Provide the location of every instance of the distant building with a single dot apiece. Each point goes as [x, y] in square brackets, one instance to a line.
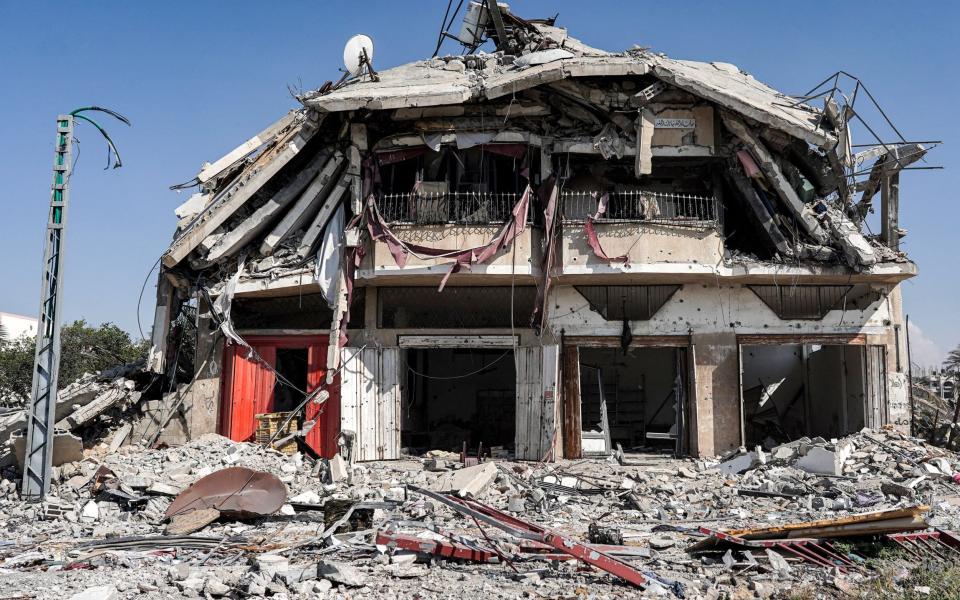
[13, 326]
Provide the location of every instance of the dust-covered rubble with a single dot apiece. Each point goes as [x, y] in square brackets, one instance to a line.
[111, 543]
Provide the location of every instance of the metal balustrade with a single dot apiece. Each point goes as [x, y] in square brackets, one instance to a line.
[461, 208]
[644, 206]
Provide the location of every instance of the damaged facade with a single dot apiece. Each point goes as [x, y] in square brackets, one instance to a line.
[548, 251]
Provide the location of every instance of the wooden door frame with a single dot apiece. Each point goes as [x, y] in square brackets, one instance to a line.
[571, 410]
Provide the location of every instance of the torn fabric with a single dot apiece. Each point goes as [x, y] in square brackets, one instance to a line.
[224, 302]
[381, 232]
[548, 197]
[592, 238]
[609, 143]
[330, 255]
[389, 157]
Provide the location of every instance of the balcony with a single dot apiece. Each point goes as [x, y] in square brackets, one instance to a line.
[449, 220]
[662, 235]
[448, 208]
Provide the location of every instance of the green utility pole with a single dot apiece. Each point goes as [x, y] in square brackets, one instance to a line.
[41, 411]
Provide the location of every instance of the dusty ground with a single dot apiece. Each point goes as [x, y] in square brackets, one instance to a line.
[655, 502]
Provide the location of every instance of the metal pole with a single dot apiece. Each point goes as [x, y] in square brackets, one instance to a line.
[41, 412]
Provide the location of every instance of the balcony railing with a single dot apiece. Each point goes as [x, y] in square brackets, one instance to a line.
[460, 208]
[645, 207]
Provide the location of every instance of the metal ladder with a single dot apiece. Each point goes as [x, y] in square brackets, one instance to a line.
[41, 412]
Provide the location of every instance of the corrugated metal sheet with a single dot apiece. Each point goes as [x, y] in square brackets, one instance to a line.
[370, 404]
[248, 391]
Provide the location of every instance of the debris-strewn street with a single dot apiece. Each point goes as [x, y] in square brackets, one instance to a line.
[367, 530]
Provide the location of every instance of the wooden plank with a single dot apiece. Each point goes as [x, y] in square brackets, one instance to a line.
[572, 412]
[218, 166]
[304, 207]
[367, 435]
[826, 339]
[389, 392]
[238, 192]
[548, 400]
[458, 341]
[598, 341]
[529, 405]
[825, 527]
[350, 386]
[522, 405]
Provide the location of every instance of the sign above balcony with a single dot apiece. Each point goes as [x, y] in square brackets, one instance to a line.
[675, 123]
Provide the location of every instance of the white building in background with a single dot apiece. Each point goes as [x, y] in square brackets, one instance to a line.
[14, 326]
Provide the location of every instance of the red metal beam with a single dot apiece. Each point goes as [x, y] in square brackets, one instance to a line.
[436, 547]
[524, 530]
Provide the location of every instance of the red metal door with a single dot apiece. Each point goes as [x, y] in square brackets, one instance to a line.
[323, 437]
[248, 389]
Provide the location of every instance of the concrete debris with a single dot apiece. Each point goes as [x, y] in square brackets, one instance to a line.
[468, 482]
[653, 521]
[101, 592]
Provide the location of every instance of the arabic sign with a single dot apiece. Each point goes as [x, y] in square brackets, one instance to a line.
[675, 124]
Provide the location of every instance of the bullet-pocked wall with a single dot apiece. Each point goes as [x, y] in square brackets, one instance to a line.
[713, 315]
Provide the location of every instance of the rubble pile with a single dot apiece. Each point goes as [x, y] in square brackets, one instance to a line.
[96, 405]
[869, 469]
[377, 529]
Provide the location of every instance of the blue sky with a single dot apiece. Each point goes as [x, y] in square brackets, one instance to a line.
[197, 78]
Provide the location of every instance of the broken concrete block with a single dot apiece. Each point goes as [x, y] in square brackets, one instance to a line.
[778, 563]
[271, 564]
[100, 592]
[162, 489]
[468, 482]
[194, 520]
[339, 470]
[821, 460]
[215, 587]
[91, 512]
[892, 488]
[340, 573]
[738, 464]
[67, 448]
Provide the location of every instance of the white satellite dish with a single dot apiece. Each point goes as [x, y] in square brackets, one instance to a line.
[353, 53]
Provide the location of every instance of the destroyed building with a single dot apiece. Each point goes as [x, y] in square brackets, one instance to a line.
[548, 250]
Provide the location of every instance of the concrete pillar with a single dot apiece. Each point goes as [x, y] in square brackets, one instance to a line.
[200, 410]
[716, 419]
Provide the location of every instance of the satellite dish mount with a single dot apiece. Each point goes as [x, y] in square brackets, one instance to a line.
[358, 57]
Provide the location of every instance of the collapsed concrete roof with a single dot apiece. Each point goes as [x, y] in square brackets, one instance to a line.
[457, 80]
[251, 199]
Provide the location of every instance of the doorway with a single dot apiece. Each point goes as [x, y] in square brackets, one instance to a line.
[275, 377]
[457, 396]
[792, 390]
[633, 398]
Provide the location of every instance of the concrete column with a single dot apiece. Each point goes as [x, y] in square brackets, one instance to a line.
[200, 410]
[898, 380]
[716, 419]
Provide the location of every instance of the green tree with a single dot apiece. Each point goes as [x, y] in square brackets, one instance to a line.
[83, 349]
